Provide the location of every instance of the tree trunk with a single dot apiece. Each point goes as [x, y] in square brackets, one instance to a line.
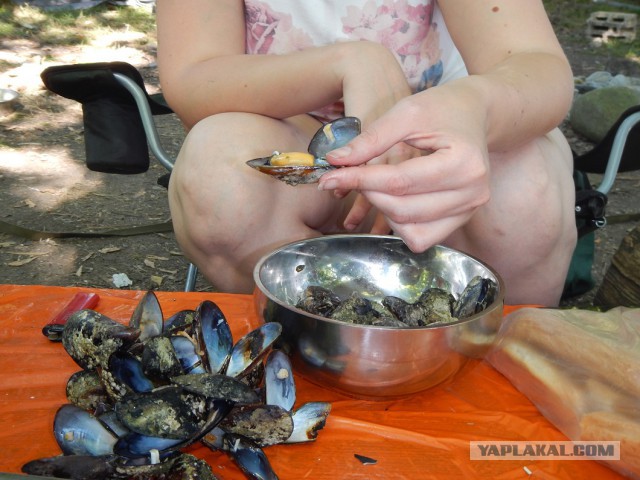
[621, 283]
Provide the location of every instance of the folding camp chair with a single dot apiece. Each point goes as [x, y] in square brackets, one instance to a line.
[118, 120]
[619, 151]
[118, 117]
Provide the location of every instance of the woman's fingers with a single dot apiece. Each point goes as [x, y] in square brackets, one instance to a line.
[420, 236]
[439, 171]
[360, 209]
[427, 207]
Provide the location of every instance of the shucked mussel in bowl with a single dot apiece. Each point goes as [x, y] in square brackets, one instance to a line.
[296, 168]
[434, 307]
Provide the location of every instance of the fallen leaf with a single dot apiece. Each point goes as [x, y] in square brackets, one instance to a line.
[149, 263]
[103, 195]
[156, 280]
[156, 257]
[109, 249]
[164, 270]
[19, 263]
[29, 203]
[79, 271]
[6, 244]
[33, 254]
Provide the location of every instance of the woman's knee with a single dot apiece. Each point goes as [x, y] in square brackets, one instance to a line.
[222, 201]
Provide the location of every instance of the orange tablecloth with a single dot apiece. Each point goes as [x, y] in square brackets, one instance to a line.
[425, 436]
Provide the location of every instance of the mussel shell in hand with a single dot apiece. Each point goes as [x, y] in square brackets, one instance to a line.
[291, 174]
[334, 135]
[330, 136]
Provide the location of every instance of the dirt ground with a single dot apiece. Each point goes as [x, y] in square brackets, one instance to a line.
[44, 184]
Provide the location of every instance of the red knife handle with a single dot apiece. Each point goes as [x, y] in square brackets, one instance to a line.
[80, 301]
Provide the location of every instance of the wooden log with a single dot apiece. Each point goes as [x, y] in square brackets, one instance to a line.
[621, 283]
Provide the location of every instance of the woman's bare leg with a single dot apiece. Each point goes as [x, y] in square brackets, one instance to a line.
[527, 231]
[227, 215]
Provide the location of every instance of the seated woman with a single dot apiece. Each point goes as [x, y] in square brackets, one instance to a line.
[459, 101]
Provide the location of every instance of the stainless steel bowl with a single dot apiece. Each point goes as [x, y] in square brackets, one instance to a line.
[367, 361]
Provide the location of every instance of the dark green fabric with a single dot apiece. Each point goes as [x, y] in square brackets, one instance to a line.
[579, 279]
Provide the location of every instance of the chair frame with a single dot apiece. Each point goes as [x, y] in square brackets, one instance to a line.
[153, 139]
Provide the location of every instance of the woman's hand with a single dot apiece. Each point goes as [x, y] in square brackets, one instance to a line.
[373, 83]
[425, 197]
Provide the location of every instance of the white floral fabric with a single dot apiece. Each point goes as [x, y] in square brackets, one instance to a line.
[413, 30]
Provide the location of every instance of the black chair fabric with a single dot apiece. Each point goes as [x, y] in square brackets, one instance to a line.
[115, 140]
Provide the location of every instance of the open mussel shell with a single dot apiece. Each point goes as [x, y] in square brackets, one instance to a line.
[252, 348]
[334, 135]
[330, 136]
[249, 457]
[308, 420]
[77, 432]
[181, 321]
[186, 354]
[291, 174]
[213, 336]
[478, 294]
[147, 316]
[128, 371]
[279, 383]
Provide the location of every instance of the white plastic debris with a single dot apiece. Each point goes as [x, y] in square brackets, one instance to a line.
[155, 456]
[121, 280]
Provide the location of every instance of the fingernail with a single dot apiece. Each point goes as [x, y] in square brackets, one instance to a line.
[340, 152]
[350, 227]
[328, 184]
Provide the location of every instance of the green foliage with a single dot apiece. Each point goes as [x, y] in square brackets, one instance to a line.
[70, 27]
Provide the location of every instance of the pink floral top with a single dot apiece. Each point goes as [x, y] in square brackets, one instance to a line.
[413, 30]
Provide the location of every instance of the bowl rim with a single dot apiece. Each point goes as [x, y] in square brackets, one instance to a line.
[259, 286]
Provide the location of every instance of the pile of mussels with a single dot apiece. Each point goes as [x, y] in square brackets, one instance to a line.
[149, 389]
[434, 306]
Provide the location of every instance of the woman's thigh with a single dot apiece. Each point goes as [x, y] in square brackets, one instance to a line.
[527, 231]
[226, 214]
